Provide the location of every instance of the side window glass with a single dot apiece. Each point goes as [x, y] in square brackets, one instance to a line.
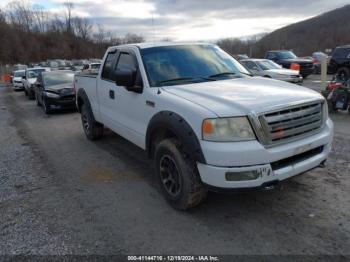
[108, 66]
[126, 61]
[250, 65]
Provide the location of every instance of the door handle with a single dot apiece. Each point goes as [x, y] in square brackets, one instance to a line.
[111, 94]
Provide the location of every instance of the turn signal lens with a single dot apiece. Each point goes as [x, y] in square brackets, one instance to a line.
[208, 127]
[295, 66]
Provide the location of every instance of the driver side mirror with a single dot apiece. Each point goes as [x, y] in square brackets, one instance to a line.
[24, 77]
[127, 78]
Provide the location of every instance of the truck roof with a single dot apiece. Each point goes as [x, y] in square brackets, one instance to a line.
[159, 44]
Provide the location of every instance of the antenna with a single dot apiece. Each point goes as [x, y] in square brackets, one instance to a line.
[153, 30]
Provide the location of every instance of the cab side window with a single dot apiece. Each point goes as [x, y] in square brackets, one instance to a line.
[250, 65]
[107, 67]
[127, 61]
[272, 56]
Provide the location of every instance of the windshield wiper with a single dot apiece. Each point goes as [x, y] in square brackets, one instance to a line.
[180, 79]
[175, 80]
[222, 74]
[228, 74]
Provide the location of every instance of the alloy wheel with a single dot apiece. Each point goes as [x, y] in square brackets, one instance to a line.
[169, 175]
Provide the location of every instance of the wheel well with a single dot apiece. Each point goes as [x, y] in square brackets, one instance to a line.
[157, 136]
[80, 103]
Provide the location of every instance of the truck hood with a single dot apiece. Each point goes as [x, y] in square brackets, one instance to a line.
[31, 80]
[58, 88]
[237, 97]
[296, 60]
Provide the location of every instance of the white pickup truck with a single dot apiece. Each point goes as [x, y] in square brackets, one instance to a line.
[203, 119]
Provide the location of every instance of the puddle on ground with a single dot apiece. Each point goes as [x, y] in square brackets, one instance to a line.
[107, 175]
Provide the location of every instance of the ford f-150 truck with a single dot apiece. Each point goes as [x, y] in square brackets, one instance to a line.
[204, 120]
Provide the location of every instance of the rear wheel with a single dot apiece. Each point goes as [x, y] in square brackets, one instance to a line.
[93, 130]
[178, 176]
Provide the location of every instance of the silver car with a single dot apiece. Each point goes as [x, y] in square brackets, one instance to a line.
[268, 68]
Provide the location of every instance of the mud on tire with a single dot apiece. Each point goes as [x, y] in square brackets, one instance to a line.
[189, 191]
[93, 130]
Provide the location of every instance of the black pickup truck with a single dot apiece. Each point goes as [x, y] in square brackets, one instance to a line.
[286, 58]
[339, 63]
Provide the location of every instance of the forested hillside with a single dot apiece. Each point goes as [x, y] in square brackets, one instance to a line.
[319, 33]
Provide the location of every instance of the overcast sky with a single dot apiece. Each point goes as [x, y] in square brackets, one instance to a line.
[184, 20]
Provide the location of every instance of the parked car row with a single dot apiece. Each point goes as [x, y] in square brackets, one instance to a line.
[198, 112]
[53, 90]
[338, 63]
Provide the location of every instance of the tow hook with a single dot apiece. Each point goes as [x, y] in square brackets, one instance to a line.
[323, 164]
[269, 187]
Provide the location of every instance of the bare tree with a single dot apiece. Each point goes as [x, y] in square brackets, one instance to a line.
[82, 27]
[68, 15]
[21, 14]
[41, 18]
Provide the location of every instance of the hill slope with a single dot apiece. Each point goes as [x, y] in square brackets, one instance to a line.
[325, 31]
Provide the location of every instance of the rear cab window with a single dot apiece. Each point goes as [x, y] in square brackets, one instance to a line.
[108, 65]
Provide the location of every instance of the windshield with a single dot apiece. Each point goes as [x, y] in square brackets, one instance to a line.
[173, 65]
[58, 78]
[19, 74]
[287, 55]
[34, 73]
[268, 65]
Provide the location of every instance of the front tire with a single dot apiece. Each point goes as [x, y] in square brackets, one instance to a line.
[93, 130]
[178, 176]
[343, 74]
[37, 100]
[46, 107]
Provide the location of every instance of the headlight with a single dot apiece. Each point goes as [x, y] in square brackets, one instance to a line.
[227, 129]
[52, 95]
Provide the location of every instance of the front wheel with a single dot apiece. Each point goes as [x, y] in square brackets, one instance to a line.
[37, 100]
[343, 74]
[178, 176]
[46, 107]
[92, 129]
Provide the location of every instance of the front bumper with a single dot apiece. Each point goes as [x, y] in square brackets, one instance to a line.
[295, 80]
[63, 102]
[243, 157]
[17, 85]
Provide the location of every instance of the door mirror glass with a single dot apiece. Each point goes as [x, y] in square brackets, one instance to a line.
[24, 77]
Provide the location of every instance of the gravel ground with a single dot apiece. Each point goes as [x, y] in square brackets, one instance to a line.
[61, 194]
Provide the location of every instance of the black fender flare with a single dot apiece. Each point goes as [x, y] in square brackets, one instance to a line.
[180, 128]
[81, 95]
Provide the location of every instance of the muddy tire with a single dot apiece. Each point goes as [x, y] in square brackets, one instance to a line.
[92, 129]
[178, 176]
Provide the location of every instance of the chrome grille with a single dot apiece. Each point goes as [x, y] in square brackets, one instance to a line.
[280, 126]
